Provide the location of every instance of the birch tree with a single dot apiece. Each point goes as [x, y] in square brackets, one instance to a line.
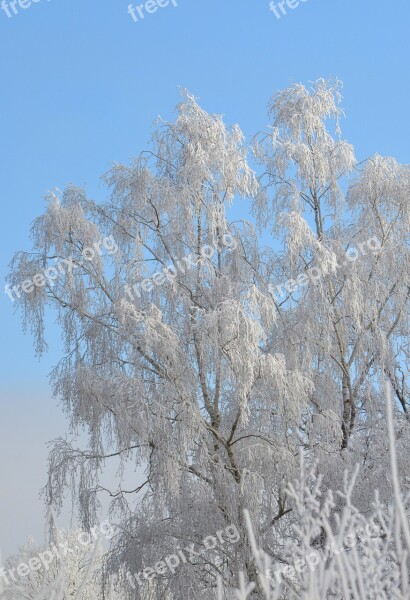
[181, 358]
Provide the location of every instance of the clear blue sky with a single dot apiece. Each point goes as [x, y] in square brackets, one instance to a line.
[81, 85]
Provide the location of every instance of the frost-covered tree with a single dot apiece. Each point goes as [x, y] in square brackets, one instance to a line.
[180, 358]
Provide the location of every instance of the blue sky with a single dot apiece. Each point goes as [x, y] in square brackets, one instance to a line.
[81, 86]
